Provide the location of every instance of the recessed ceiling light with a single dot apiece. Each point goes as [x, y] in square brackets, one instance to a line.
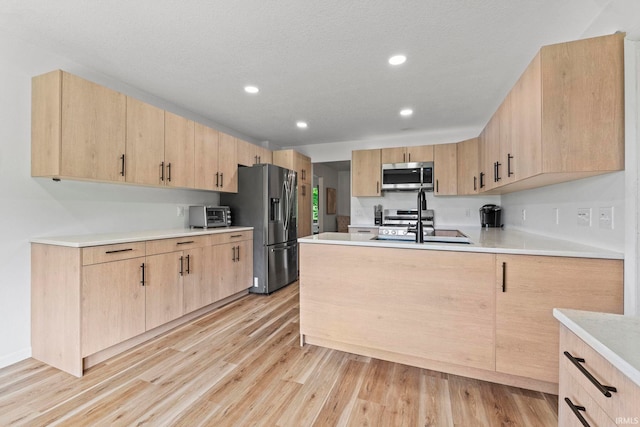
[406, 112]
[302, 125]
[251, 89]
[397, 59]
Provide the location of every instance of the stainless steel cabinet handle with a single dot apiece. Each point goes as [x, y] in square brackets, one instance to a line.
[578, 361]
[576, 411]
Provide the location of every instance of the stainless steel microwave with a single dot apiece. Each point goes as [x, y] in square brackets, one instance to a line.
[209, 216]
[407, 176]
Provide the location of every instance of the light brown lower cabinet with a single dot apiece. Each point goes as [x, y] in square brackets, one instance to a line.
[528, 288]
[448, 311]
[89, 303]
[581, 397]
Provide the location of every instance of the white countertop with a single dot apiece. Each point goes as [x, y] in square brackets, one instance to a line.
[490, 240]
[86, 240]
[614, 336]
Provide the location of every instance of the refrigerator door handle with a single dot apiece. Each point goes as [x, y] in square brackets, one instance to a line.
[283, 248]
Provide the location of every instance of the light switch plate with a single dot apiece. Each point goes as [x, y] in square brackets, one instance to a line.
[605, 217]
[584, 217]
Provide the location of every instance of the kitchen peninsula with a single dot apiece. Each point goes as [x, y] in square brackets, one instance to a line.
[482, 310]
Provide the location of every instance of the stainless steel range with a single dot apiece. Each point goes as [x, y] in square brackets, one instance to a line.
[400, 224]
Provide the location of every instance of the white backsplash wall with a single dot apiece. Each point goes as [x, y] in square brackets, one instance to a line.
[449, 210]
[595, 192]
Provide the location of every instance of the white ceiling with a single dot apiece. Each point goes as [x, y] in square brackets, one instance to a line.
[320, 61]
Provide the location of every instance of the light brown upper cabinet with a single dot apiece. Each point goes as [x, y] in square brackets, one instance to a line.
[366, 173]
[468, 167]
[563, 120]
[178, 151]
[216, 165]
[291, 159]
[445, 166]
[77, 129]
[145, 143]
[251, 154]
[419, 153]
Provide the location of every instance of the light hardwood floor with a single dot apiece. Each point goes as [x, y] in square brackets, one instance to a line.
[241, 366]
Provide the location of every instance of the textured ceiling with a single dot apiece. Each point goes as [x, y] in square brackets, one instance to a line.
[320, 61]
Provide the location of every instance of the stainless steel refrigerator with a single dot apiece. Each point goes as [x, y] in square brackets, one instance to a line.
[267, 201]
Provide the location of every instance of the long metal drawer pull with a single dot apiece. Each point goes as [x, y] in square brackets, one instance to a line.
[604, 389]
[184, 243]
[115, 251]
[236, 235]
[576, 410]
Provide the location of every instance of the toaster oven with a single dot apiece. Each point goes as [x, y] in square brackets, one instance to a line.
[209, 216]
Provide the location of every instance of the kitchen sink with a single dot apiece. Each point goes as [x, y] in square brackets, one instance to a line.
[436, 236]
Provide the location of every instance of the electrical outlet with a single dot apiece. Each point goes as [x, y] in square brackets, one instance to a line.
[524, 215]
[180, 211]
[605, 218]
[584, 217]
[467, 213]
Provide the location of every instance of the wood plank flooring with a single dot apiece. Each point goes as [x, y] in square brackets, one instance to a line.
[242, 365]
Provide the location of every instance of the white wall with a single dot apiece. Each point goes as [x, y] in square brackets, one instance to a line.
[38, 207]
[344, 193]
[595, 192]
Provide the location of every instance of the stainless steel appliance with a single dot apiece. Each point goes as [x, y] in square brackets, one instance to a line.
[400, 224]
[267, 201]
[407, 176]
[209, 216]
[491, 216]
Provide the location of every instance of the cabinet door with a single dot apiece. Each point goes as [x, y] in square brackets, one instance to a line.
[93, 130]
[178, 151]
[526, 122]
[244, 265]
[228, 164]
[164, 293]
[420, 153]
[366, 173]
[445, 167]
[206, 157]
[506, 143]
[490, 153]
[145, 143]
[264, 155]
[468, 167]
[113, 303]
[246, 153]
[197, 286]
[302, 165]
[528, 288]
[225, 263]
[394, 155]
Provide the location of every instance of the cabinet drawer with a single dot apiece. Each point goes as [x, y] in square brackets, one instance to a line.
[237, 236]
[178, 244]
[592, 413]
[107, 253]
[624, 402]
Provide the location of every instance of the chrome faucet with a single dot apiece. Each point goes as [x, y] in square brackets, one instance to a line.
[422, 205]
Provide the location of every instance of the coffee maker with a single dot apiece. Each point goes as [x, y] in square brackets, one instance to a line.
[491, 216]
